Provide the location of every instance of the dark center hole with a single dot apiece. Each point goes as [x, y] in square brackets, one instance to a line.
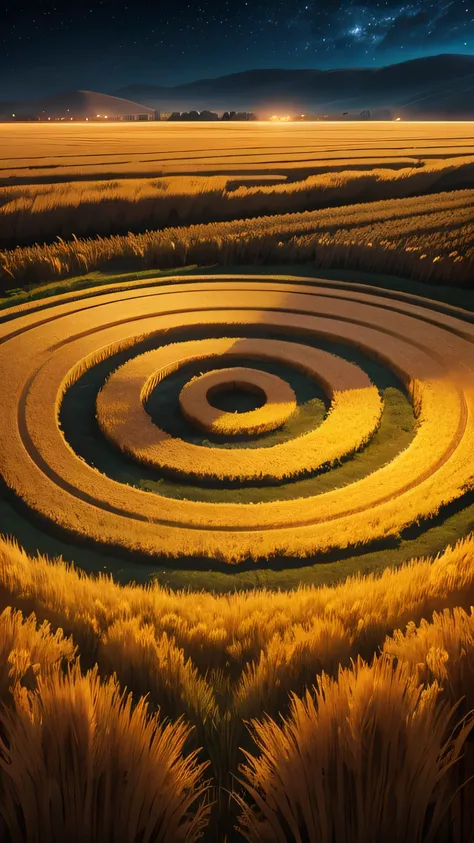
[236, 398]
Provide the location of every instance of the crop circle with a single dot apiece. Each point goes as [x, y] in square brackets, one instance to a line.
[277, 404]
[146, 337]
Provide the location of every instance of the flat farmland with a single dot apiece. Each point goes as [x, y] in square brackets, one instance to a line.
[88, 180]
[30, 152]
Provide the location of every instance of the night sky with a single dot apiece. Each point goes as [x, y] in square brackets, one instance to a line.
[49, 46]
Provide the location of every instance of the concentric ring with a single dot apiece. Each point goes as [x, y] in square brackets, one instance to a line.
[355, 412]
[279, 402]
[43, 352]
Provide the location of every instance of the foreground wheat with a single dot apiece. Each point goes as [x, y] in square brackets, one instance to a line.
[217, 660]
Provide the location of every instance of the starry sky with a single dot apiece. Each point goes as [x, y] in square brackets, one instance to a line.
[47, 46]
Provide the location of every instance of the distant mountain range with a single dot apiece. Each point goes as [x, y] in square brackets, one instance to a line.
[428, 88]
[437, 86]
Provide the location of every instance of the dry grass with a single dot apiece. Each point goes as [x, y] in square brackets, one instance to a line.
[429, 238]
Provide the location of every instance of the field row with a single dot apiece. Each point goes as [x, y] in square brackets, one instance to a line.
[41, 213]
[430, 238]
[38, 151]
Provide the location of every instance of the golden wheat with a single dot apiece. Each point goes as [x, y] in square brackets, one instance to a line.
[87, 680]
[429, 238]
[355, 409]
[332, 771]
[279, 401]
[428, 349]
[41, 212]
[79, 763]
[317, 629]
[218, 660]
[82, 149]
[113, 624]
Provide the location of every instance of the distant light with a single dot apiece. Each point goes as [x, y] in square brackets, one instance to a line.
[303, 115]
[105, 116]
[398, 119]
[49, 118]
[87, 119]
[72, 118]
[97, 115]
[13, 115]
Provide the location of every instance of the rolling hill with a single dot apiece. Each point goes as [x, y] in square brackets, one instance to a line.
[76, 104]
[437, 86]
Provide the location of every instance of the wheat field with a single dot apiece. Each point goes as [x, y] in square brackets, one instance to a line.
[87, 180]
[279, 402]
[236, 717]
[220, 661]
[44, 212]
[428, 238]
[168, 148]
[39, 466]
[214, 437]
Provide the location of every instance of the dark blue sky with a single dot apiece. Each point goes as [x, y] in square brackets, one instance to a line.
[46, 47]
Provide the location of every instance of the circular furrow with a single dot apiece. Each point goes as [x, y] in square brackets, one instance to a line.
[43, 353]
[279, 402]
[355, 412]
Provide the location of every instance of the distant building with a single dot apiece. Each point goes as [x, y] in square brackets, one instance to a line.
[140, 118]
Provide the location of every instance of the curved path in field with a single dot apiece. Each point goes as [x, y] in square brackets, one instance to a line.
[45, 348]
[197, 401]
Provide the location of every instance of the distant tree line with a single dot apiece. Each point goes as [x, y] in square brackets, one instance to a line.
[212, 115]
[239, 115]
